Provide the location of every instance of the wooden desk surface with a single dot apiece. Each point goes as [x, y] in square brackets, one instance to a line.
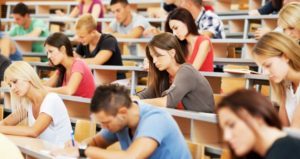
[33, 147]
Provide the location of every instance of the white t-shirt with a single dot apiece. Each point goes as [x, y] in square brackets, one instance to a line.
[137, 21]
[59, 131]
[292, 101]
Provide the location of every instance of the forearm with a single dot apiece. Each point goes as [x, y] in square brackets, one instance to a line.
[94, 152]
[60, 90]
[89, 61]
[18, 130]
[160, 102]
[119, 35]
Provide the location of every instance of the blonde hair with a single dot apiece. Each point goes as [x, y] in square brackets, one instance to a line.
[289, 16]
[278, 44]
[86, 21]
[22, 71]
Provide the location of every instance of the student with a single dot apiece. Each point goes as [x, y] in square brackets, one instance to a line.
[9, 49]
[97, 48]
[46, 113]
[93, 7]
[208, 23]
[4, 63]
[252, 128]
[272, 6]
[168, 76]
[286, 23]
[134, 125]
[290, 24]
[279, 57]
[26, 26]
[73, 76]
[198, 48]
[126, 24]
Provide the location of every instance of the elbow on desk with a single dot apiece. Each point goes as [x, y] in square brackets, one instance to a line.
[32, 133]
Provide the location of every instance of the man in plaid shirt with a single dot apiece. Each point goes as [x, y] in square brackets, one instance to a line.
[208, 23]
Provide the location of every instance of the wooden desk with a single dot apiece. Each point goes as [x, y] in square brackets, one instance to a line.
[33, 147]
[133, 69]
[196, 127]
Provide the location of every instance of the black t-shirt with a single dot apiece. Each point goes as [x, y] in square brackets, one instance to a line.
[4, 63]
[286, 147]
[106, 42]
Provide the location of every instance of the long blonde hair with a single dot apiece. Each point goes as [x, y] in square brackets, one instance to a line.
[289, 16]
[278, 44]
[23, 71]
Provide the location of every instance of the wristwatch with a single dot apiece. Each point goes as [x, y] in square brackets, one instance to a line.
[82, 150]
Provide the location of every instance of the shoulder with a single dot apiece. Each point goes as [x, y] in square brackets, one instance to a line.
[138, 18]
[186, 68]
[203, 37]
[51, 100]
[211, 14]
[150, 112]
[52, 96]
[78, 61]
[284, 147]
[37, 22]
[79, 65]
[108, 37]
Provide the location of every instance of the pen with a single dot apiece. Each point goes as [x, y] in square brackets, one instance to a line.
[72, 137]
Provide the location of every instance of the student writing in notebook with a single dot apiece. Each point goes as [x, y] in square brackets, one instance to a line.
[279, 57]
[134, 125]
[73, 76]
[252, 128]
[46, 113]
[172, 82]
[197, 47]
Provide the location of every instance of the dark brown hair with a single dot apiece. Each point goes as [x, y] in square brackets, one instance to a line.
[124, 2]
[256, 105]
[185, 17]
[58, 40]
[158, 81]
[21, 9]
[109, 98]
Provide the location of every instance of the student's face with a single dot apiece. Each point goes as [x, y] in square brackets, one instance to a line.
[162, 58]
[292, 32]
[54, 54]
[18, 86]
[179, 29]
[236, 132]
[120, 11]
[275, 67]
[84, 36]
[112, 123]
[20, 20]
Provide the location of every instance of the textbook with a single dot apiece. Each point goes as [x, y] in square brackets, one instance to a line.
[240, 71]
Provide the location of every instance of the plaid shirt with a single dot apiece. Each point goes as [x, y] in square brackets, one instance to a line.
[209, 21]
